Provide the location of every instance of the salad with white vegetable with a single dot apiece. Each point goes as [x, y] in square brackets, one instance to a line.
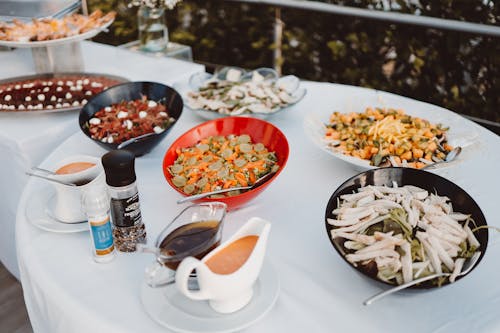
[235, 96]
[403, 233]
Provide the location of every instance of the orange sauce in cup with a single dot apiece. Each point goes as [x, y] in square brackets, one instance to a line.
[74, 167]
[233, 256]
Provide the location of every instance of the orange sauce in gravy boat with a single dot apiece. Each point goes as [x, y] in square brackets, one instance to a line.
[74, 167]
[227, 275]
[233, 256]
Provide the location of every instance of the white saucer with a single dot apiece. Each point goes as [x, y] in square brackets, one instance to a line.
[38, 212]
[171, 309]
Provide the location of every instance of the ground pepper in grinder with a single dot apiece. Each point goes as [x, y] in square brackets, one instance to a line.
[128, 228]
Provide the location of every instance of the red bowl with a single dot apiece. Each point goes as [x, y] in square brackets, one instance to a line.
[258, 130]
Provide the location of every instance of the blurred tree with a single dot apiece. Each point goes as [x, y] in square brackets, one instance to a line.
[455, 70]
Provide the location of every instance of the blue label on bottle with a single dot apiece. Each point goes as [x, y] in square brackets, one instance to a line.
[102, 234]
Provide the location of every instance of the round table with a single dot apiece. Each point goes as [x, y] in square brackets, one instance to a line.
[66, 291]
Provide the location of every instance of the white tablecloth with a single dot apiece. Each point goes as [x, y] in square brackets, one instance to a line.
[26, 139]
[65, 291]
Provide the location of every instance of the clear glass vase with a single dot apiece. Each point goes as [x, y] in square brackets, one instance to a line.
[153, 31]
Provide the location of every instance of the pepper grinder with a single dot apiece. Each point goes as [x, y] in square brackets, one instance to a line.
[128, 228]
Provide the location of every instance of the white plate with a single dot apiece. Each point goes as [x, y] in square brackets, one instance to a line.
[173, 310]
[461, 131]
[54, 42]
[291, 82]
[39, 213]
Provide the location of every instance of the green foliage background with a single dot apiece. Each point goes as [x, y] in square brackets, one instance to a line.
[455, 70]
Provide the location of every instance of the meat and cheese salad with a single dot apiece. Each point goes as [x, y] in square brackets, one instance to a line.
[129, 119]
[235, 97]
[219, 162]
[387, 137]
[404, 233]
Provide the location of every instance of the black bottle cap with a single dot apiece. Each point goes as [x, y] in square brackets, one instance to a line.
[119, 167]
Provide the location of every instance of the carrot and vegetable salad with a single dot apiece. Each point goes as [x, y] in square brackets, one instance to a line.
[387, 137]
[220, 162]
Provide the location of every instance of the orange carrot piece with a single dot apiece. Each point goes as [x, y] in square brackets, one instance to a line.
[257, 164]
[241, 178]
[252, 177]
[228, 183]
[194, 178]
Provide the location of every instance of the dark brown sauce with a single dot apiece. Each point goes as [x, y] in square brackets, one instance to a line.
[194, 239]
[83, 181]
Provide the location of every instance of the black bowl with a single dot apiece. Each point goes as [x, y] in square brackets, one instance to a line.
[462, 202]
[132, 91]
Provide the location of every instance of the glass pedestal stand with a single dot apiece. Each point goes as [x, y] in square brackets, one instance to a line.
[173, 50]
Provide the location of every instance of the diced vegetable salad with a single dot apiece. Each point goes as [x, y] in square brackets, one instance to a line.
[387, 137]
[221, 162]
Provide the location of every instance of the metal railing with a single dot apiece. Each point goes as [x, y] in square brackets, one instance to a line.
[434, 22]
[386, 16]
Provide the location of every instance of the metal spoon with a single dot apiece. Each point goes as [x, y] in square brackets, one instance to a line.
[257, 183]
[133, 140]
[450, 157]
[192, 283]
[49, 172]
[465, 269]
[50, 179]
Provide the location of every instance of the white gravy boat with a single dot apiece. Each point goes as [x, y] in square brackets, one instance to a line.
[227, 293]
[67, 207]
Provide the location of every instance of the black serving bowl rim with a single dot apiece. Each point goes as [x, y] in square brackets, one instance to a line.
[480, 220]
[83, 118]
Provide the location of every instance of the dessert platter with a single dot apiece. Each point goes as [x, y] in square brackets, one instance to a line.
[60, 92]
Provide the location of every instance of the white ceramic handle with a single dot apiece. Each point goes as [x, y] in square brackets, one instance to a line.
[152, 278]
[182, 276]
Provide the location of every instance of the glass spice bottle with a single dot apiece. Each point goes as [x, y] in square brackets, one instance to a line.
[95, 203]
[128, 228]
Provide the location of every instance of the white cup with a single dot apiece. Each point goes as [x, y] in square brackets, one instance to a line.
[227, 293]
[67, 205]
